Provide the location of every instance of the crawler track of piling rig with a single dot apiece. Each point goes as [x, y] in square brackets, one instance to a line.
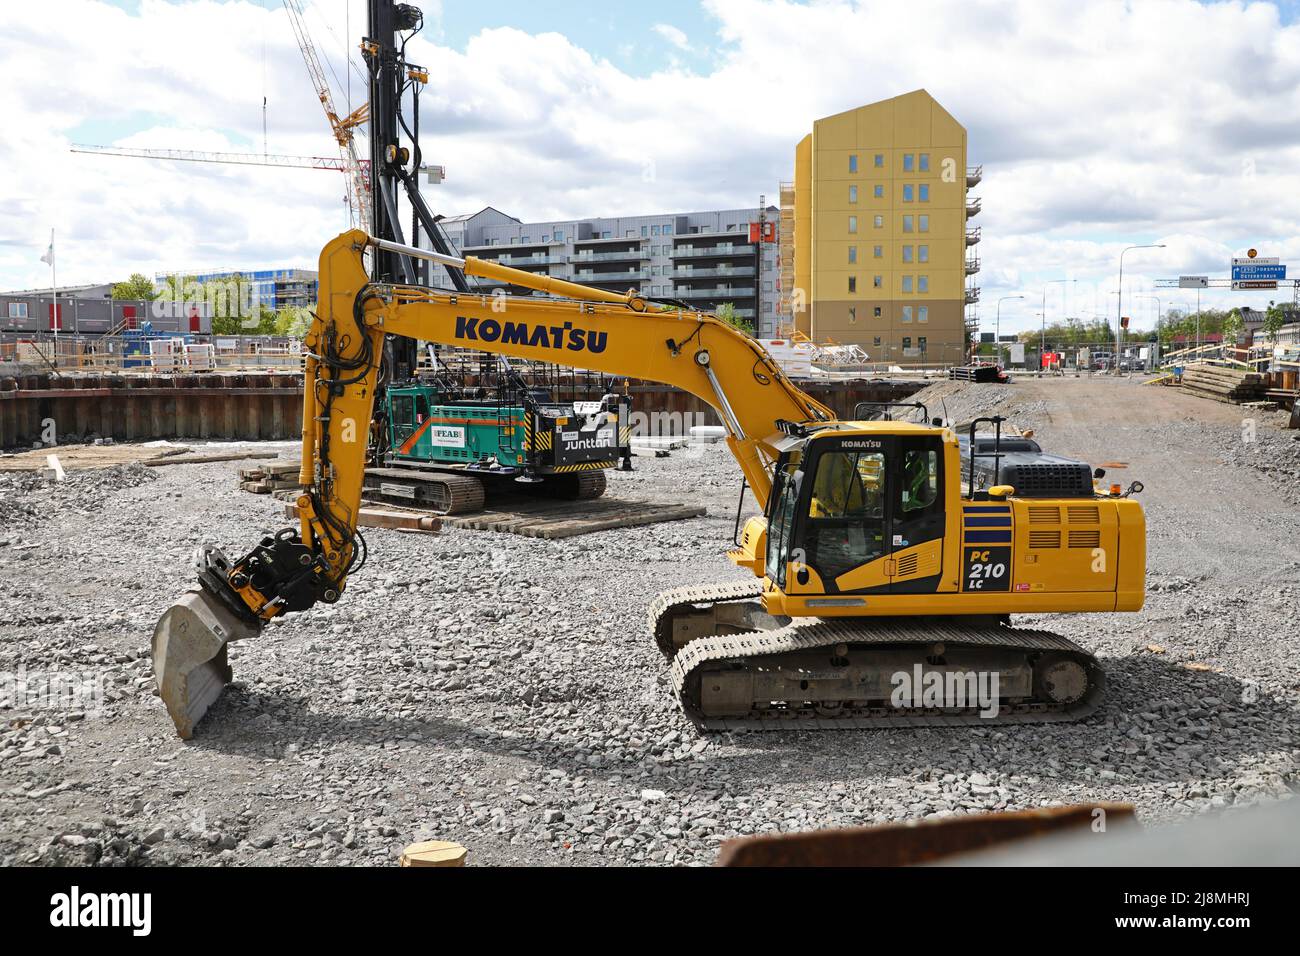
[758, 672]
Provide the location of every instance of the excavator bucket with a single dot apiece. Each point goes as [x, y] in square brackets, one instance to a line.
[189, 655]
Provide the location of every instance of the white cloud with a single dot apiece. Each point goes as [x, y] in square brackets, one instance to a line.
[1099, 125]
[673, 35]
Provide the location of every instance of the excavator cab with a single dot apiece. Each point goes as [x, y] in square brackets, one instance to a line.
[853, 513]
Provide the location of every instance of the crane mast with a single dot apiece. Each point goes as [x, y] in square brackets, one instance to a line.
[358, 176]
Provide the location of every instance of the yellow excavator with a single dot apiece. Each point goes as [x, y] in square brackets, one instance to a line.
[884, 578]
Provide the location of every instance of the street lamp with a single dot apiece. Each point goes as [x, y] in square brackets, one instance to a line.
[1042, 342]
[1119, 308]
[997, 334]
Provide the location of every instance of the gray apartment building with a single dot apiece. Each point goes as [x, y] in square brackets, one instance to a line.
[703, 259]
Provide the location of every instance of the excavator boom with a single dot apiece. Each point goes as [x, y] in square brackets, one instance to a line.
[578, 326]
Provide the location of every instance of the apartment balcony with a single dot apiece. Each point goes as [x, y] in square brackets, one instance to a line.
[692, 273]
[972, 294]
[972, 206]
[628, 255]
[972, 265]
[973, 175]
[521, 262]
[717, 292]
[972, 236]
[506, 247]
[605, 278]
[719, 249]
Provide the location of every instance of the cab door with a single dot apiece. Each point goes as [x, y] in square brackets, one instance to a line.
[401, 418]
[917, 513]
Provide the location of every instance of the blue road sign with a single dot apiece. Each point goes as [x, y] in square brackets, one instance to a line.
[1258, 271]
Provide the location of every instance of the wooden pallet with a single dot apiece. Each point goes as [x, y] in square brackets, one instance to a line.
[270, 477]
[549, 518]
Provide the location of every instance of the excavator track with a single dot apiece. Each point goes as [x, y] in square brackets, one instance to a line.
[578, 486]
[443, 492]
[752, 678]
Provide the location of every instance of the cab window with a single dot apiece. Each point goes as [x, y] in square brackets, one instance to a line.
[846, 512]
[849, 484]
[920, 485]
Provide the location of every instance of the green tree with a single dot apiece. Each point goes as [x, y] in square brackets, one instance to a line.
[139, 286]
[293, 320]
[1231, 325]
[1274, 319]
[726, 311]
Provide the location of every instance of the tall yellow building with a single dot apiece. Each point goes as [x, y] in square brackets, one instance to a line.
[880, 246]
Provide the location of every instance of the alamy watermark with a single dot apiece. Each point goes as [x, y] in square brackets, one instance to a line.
[58, 690]
[936, 689]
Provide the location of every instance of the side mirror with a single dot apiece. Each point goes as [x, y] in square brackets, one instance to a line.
[1099, 473]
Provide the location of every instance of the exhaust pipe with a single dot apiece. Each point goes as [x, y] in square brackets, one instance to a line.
[190, 665]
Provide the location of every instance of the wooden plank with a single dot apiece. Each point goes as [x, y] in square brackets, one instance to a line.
[370, 517]
[565, 520]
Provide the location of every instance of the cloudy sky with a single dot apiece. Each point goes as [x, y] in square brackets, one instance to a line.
[1099, 124]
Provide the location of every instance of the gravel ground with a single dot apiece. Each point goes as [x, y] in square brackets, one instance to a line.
[501, 691]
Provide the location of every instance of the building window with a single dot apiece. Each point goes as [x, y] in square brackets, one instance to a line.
[559, 236]
[922, 283]
[853, 254]
[853, 223]
[17, 310]
[878, 251]
[645, 231]
[875, 313]
[853, 313]
[880, 160]
[668, 230]
[923, 315]
[925, 164]
[922, 253]
[654, 270]
[924, 192]
[908, 162]
[907, 253]
[629, 234]
[853, 162]
[525, 240]
[876, 341]
[853, 283]
[879, 191]
[853, 194]
[920, 343]
[908, 189]
[654, 230]
[907, 313]
[907, 283]
[877, 282]
[880, 222]
[907, 224]
[925, 223]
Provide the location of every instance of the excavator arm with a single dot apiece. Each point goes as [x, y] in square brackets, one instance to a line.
[576, 325]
